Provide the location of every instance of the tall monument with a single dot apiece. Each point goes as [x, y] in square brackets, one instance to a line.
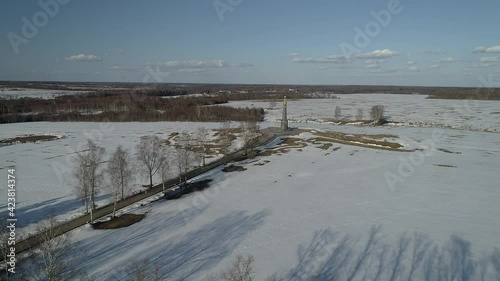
[284, 119]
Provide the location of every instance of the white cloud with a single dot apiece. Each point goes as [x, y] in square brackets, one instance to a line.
[195, 64]
[293, 55]
[435, 52]
[410, 62]
[241, 64]
[83, 57]
[448, 60]
[493, 49]
[488, 59]
[435, 66]
[481, 65]
[414, 68]
[373, 65]
[378, 54]
[198, 65]
[328, 59]
[375, 61]
[385, 71]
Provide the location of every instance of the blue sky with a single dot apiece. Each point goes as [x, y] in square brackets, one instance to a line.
[425, 42]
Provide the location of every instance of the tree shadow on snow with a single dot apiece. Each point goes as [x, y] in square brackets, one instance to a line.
[183, 256]
[35, 213]
[330, 256]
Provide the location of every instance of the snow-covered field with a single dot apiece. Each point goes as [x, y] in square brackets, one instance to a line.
[285, 208]
[291, 211]
[17, 93]
[44, 169]
[409, 110]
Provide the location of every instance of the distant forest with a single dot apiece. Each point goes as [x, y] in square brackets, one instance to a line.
[124, 106]
[238, 92]
[125, 102]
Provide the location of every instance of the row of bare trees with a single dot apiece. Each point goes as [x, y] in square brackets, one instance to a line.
[154, 158]
[376, 114]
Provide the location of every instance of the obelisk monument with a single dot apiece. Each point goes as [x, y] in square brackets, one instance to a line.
[284, 119]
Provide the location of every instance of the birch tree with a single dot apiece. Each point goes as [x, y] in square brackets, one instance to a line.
[165, 166]
[120, 175]
[249, 131]
[183, 155]
[149, 154]
[377, 114]
[225, 139]
[201, 141]
[54, 258]
[89, 174]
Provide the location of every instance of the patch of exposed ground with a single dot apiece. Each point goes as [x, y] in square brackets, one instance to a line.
[212, 148]
[187, 189]
[445, 165]
[369, 141]
[119, 222]
[284, 146]
[326, 140]
[449, 151]
[262, 163]
[29, 139]
[233, 168]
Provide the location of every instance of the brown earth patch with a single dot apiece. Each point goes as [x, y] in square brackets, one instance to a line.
[119, 222]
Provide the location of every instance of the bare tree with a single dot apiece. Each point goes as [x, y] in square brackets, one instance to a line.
[359, 114]
[241, 269]
[377, 114]
[201, 141]
[272, 103]
[249, 131]
[54, 258]
[165, 166]
[4, 247]
[225, 139]
[184, 155]
[338, 112]
[149, 153]
[120, 174]
[89, 174]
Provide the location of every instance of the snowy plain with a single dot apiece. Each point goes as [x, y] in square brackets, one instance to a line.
[44, 169]
[407, 110]
[275, 210]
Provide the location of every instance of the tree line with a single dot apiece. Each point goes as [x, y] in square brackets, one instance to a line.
[124, 107]
[154, 159]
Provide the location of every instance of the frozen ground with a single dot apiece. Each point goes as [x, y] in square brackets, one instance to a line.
[44, 169]
[279, 211]
[409, 110]
[17, 93]
[288, 211]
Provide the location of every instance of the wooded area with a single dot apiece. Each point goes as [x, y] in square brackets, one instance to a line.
[114, 106]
